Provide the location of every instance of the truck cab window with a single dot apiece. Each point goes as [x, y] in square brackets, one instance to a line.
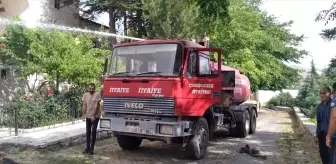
[204, 65]
[192, 64]
[147, 60]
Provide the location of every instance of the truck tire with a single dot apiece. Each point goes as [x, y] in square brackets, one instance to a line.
[243, 126]
[253, 122]
[198, 143]
[128, 142]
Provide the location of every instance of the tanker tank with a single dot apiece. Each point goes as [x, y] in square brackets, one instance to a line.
[242, 87]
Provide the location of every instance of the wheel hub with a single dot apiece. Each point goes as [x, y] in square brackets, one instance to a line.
[247, 123]
[201, 139]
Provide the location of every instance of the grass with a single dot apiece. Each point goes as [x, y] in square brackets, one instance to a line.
[296, 145]
[312, 120]
[33, 156]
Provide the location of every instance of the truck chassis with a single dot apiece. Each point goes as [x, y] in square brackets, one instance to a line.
[193, 133]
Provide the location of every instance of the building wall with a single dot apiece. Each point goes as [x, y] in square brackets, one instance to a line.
[43, 11]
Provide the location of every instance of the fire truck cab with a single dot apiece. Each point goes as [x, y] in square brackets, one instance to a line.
[175, 91]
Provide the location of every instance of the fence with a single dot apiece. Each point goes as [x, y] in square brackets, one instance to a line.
[22, 115]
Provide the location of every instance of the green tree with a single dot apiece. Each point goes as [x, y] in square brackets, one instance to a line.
[164, 22]
[258, 46]
[117, 9]
[327, 16]
[331, 70]
[308, 96]
[63, 56]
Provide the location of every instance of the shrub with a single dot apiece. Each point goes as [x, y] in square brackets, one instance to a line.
[34, 113]
[282, 99]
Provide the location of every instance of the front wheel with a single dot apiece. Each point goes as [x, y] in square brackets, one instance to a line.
[128, 142]
[198, 144]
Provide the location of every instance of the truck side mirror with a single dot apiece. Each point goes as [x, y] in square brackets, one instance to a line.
[105, 64]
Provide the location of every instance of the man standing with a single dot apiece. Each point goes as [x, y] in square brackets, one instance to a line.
[322, 117]
[330, 139]
[91, 113]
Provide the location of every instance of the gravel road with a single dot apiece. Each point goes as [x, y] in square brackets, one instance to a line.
[221, 150]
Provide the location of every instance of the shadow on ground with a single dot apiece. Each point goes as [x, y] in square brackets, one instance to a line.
[222, 149]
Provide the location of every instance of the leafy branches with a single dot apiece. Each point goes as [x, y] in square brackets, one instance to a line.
[327, 16]
[258, 46]
[63, 56]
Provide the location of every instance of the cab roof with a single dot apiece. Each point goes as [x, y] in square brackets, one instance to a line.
[185, 43]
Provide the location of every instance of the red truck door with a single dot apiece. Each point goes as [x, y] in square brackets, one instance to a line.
[201, 85]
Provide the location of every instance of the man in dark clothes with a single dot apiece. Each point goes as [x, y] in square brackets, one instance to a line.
[91, 113]
[322, 117]
[331, 138]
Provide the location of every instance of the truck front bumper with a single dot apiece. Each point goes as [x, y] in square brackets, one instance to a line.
[147, 127]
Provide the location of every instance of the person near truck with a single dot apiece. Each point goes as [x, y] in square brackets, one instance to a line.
[91, 114]
[322, 118]
[331, 138]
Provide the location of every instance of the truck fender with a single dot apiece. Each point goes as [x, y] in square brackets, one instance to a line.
[239, 114]
[209, 116]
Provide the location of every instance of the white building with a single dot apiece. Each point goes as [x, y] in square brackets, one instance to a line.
[59, 12]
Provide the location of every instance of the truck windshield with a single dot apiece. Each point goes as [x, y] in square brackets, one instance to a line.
[147, 60]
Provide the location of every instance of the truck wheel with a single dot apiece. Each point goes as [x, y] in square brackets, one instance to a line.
[198, 144]
[253, 122]
[128, 142]
[243, 126]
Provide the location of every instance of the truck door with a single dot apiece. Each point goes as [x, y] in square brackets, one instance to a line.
[201, 82]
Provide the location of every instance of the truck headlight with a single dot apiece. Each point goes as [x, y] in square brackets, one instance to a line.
[105, 124]
[166, 129]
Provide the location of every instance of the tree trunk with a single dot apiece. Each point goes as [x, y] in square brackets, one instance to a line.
[57, 81]
[125, 23]
[139, 23]
[112, 24]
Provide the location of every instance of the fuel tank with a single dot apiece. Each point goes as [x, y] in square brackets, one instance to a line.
[240, 90]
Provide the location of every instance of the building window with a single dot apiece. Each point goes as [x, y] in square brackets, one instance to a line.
[68, 2]
[3, 74]
[62, 3]
[57, 4]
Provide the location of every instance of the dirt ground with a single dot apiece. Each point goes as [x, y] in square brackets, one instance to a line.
[276, 137]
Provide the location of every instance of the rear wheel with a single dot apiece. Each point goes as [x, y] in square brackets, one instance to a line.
[128, 142]
[253, 122]
[198, 144]
[243, 126]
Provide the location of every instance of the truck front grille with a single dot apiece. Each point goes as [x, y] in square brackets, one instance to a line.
[144, 106]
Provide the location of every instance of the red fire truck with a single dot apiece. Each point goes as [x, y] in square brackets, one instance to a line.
[175, 91]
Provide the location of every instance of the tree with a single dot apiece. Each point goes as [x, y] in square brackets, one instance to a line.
[165, 23]
[141, 17]
[308, 96]
[117, 9]
[258, 46]
[313, 74]
[327, 16]
[63, 56]
[331, 70]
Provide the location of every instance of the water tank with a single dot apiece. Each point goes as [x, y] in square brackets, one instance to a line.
[240, 89]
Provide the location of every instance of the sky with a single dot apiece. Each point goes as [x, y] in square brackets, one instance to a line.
[303, 13]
